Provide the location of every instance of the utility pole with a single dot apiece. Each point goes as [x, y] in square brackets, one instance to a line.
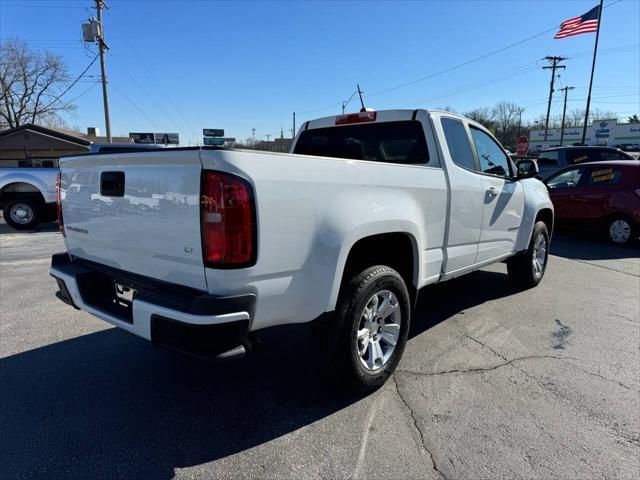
[293, 130]
[520, 110]
[554, 66]
[102, 46]
[564, 112]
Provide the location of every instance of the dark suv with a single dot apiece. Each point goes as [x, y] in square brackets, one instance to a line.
[553, 159]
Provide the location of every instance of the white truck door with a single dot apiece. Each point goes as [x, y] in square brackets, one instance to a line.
[503, 201]
[466, 196]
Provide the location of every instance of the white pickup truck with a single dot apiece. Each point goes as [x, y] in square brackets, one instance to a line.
[27, 196]
[366, 210]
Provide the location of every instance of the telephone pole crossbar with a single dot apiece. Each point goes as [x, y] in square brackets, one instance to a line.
[555, 65]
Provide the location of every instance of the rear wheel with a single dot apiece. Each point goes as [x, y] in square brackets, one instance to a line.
[621, 230]
[22, 213]
[526, 270]
[372, 324]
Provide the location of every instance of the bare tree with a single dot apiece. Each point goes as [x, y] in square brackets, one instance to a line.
[29, 83]
[505, 115]
[575, 118]
[482, 115]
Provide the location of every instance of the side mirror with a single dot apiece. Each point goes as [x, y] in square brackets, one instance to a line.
[527, 169]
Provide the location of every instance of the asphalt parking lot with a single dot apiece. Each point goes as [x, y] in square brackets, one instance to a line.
[495, 383]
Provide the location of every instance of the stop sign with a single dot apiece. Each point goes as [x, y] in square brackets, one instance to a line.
[523, 145]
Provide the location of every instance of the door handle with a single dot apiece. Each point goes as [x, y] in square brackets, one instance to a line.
[491, 191]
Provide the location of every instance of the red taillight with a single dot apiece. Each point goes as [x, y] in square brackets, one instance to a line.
[361, 117]
[59, 202]
[227, 218]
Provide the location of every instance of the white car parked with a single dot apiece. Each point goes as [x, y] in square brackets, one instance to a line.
[366, 210]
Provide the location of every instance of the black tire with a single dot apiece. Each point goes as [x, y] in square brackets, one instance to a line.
[22, 213]
[617, 228]
[354, 298]
[521, 268]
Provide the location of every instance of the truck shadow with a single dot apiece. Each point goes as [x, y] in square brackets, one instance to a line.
[437, 303]
[110, 405]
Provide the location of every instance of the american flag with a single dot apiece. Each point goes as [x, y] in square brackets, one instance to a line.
[586, 23]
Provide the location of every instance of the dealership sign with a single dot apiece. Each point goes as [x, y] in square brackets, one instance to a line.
[213, 132]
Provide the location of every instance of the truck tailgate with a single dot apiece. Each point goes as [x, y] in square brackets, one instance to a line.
[137, 212]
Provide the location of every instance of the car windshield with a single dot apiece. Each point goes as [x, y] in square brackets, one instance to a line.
[394, 142]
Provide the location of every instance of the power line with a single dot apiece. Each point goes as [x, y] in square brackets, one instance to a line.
[36, 5]
[144, 64]
[135, 105]
[144, 89]
[95, 82]
[455, 67]
[72, 84]
[470, 86]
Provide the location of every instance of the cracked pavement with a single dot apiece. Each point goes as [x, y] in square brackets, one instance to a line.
[494, 383]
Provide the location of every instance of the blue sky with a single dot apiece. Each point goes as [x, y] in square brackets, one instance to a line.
[187, 65]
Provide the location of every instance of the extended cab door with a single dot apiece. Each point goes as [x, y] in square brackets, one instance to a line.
[465, 197]
[503, 200]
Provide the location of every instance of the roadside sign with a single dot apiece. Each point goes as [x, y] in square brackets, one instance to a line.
[213, 142]
[167, 138]
[213, 132]
[523, 146]
[146, 137]
[150, 137]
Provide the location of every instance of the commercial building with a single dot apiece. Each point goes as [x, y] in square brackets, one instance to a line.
[600, 132]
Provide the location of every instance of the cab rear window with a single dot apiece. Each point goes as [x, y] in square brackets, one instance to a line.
[392, 142]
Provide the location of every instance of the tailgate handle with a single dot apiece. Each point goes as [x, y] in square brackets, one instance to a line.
[112, 184]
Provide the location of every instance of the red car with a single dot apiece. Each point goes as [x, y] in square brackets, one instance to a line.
[599, 195]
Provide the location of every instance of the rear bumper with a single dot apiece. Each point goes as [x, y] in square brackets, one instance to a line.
[168, 315]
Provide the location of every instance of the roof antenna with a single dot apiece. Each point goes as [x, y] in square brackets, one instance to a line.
[363, 109]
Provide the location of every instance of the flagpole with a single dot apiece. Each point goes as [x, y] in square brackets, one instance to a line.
[593, 67]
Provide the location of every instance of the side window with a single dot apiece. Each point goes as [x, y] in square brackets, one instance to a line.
[492, 159]
[613, 155]
[548, 159]
[579, 155]
[568, 179]
[602, 177]
[458, 143]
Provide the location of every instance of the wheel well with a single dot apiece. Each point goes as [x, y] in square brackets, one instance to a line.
[546, 215]
[395, 250]
[17, 189]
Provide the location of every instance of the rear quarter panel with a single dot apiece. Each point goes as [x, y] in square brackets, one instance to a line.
[311, 211]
